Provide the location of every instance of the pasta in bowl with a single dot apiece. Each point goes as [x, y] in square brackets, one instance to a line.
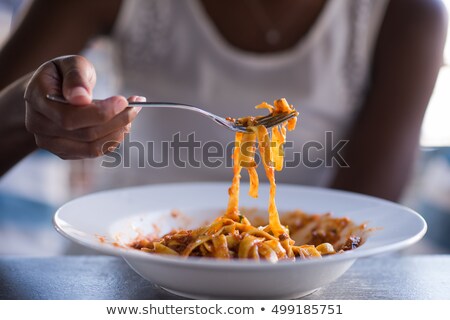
[108, 221]
[172, 236]
[316, 235]
[232, 235]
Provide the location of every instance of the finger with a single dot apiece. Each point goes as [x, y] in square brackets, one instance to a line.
[37, 123]
[70, 117]
[45, 80]
[41, 125]
[78, 79]
[69, 149]
[137, 99]
[121, 121]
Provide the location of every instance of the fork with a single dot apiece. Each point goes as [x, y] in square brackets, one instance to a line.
[268, 121]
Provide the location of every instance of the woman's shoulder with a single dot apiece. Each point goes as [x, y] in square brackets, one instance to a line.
[428, 14]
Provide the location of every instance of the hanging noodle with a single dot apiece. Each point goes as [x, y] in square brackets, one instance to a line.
[232, 235]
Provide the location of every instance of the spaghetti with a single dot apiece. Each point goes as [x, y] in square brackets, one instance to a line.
[232, 235]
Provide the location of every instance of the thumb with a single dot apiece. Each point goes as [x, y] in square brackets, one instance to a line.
[78, 79]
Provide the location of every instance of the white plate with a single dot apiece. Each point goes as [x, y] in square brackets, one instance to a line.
[120, 215]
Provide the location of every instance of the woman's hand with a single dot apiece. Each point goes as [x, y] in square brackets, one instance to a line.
[81, 129]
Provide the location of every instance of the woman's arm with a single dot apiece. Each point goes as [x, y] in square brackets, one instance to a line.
[15, 141]
[48, 28]
[52, 28]
[407, 59]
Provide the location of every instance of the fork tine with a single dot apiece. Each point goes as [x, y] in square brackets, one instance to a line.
[259, 120]
[229, 124]
[286, 118]
[264, 118]
[270, 119]
[278, 120]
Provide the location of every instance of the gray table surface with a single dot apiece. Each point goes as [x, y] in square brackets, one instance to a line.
[103, 277]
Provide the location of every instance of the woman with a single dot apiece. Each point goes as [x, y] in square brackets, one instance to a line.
[363, 70]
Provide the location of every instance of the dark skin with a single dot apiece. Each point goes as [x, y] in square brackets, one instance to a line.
[249, 33]
[382, 142]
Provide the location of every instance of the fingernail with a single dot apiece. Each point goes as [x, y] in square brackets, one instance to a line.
[128, 128]
[139, 99]
[77, 92]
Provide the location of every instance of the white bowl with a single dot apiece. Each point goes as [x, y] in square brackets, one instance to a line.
[120, 215]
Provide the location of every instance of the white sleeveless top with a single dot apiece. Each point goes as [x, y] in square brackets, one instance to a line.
[169, 50]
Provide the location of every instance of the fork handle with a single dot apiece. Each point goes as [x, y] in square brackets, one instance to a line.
[60, 99]
[161, 105]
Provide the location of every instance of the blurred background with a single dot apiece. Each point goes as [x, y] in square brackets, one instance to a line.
[30, 193]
